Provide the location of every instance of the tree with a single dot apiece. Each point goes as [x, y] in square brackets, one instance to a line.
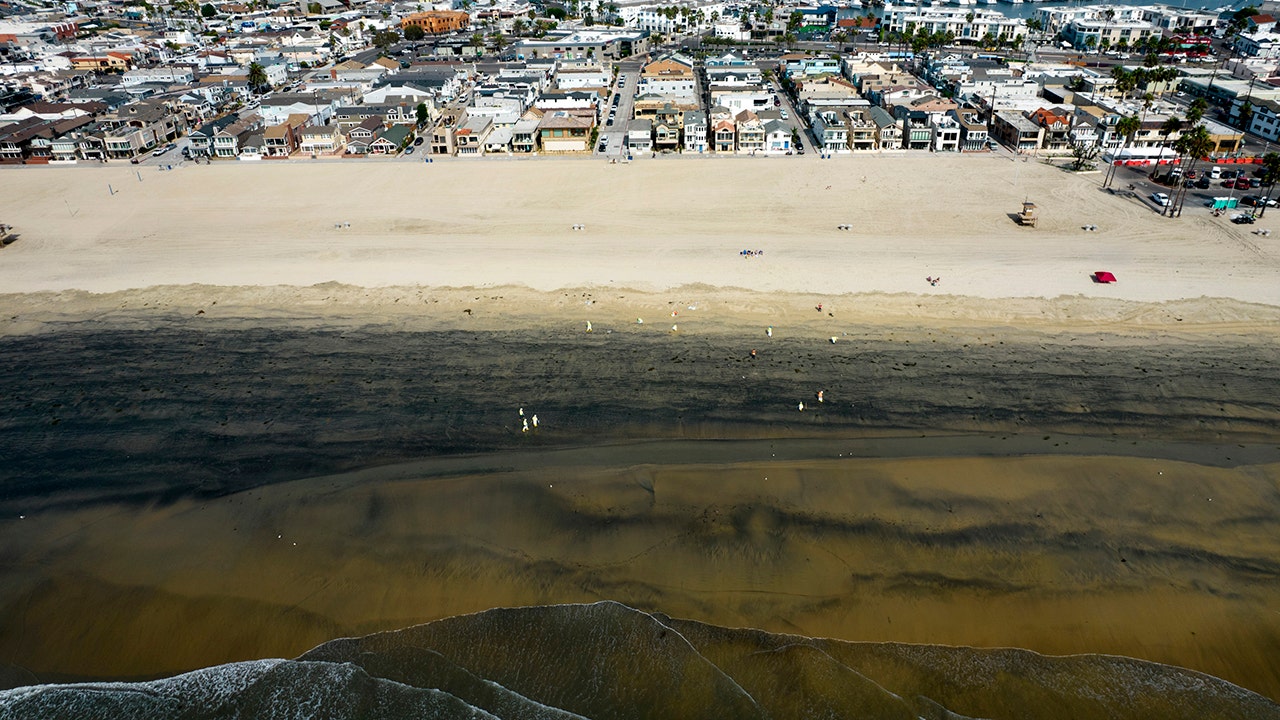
[1147, 101]
[477, 41]
[499, 41]
[1269, 176]
[1109, 14]
[207, 10]
[1170, 126]
[1194, 144]
[1084, 154]
[422, 114]
[1195, 111]
[1246, 115]
[413, 33]
[517, 28]
[1125, 81]
[257, 76]
[384, 39]
[1126, 127]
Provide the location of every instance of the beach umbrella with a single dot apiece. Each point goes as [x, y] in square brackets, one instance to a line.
[1103, 276]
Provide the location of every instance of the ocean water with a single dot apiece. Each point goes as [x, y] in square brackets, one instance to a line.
[141, 446]
[608, 661]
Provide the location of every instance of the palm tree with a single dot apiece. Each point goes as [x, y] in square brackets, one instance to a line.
[1125, 81]
[1195, 111]
[257, 76]
[1109, 14]
[1270, 175]
[1147, 101]
[1195, 144]
[1170, 126]
[1126, 127]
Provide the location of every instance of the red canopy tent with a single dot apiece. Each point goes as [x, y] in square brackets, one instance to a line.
[1102, 276]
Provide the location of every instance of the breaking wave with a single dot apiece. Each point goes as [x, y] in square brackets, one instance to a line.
[606, 661]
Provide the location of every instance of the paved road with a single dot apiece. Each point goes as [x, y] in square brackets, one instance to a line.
[613, 135]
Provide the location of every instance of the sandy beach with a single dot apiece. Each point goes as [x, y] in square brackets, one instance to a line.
[203, 371]
[648, 226]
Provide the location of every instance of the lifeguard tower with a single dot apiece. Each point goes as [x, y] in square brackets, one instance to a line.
[1028, 216]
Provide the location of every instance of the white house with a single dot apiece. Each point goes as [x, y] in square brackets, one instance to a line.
[777, 137]
[741, 97]
[1258, 45]
[968, 24]
[174, 75]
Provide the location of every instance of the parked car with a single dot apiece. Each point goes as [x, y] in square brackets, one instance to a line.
[408, 150]
[1243, 219]
[1192, 174]
[418, 141]
[1257, 201]
[1204, 182]
[1160, 199]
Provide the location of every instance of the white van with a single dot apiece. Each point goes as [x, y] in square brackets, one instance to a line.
[1215, 173]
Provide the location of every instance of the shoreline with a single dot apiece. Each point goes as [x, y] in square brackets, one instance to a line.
[701, 308]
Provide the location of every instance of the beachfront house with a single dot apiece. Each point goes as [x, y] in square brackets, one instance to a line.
[724, 132]
[750, 133]
[281, 141]
[830, 131]
[695, 131]
[973, 129]
[946, 134]
[1056, 127]
[365, 131]
[777, 137]
[888, 131]
[471, 136]
[640, 136]
[231, 140]
[320, 140]
[561, 131]
[524, 135]
[1015, 131]
[390, 141]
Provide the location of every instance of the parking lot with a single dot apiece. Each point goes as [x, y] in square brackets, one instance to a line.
[1198, 196]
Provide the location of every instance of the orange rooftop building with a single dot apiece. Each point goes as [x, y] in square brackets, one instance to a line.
[436, 22]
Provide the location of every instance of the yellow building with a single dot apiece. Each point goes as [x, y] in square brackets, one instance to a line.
[436, 22]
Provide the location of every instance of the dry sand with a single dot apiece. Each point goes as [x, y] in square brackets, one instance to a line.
[1074, 555]
[649, 226]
